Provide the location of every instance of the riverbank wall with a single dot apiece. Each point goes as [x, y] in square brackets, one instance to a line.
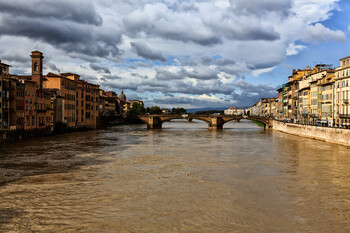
[332, 135]
[59, 128]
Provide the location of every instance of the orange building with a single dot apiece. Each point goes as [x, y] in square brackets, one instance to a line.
[68, 89]
[20, 105]
[4, 97]
[86, 99]
[30, 99]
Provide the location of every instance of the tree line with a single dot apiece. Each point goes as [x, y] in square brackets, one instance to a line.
[138, 109]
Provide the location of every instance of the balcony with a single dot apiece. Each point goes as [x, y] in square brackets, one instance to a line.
[344, 115]
[313, 116]
[346, 101]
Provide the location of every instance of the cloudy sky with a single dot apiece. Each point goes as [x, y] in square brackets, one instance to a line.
[192, 54]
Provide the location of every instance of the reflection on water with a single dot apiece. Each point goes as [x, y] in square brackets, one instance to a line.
[184, 178]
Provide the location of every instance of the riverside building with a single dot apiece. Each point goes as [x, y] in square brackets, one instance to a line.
[341, 94]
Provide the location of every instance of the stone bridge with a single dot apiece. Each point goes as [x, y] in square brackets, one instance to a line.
[214, 121]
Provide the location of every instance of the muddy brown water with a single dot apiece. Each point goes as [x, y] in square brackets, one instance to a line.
[184, 178]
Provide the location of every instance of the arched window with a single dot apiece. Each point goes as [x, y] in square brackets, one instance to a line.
[36, 67]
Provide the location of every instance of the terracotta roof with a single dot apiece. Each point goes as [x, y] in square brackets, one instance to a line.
[25, 77]
[53, 75]
[344, 58]
[28, 80]
[69, 74]
[3, 64]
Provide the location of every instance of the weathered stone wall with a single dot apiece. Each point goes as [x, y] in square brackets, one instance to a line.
[333, 135]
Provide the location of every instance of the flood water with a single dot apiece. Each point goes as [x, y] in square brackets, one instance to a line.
[184, 178]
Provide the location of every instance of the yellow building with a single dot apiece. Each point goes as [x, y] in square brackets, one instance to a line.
[326, 85]
[304, 105]
[341, 94]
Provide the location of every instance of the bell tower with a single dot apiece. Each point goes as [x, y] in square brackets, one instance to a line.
[37, 67]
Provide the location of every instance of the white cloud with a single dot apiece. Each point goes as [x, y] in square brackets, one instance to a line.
[295, 49]
[319, 33]
[167, 47]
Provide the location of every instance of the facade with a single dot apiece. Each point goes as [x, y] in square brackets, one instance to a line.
[20, 105]
[326, 85]
[341, 94]
[86, 102]
[108, 103]
[304, 105]
[68, 91]
[38, 102]
[4, 96]
[234, 111]
[80, 99]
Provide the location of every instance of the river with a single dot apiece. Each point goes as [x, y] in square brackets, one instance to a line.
[184, 178]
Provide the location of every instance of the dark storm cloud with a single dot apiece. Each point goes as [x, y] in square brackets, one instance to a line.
[250, 88]
[198, 73]
[185, 87]
[160, 20]
[89, 78]
[262, 6]
[120, 86]
[16, 58]
[235, 30]
[167, 75]
[52, 66]
[146, 52]
[203, 73]
[100, 68]
[76, 11]
[194, 101]
[70, 26]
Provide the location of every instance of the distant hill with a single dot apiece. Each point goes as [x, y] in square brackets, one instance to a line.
[193, 110]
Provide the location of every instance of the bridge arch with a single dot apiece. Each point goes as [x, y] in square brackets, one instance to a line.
[214, 121]
[266, 121]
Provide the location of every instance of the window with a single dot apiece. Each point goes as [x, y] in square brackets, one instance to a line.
[35, 67]
[33, 120]
[28, 121]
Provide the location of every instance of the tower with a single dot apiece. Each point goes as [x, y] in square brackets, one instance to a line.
[37, 67]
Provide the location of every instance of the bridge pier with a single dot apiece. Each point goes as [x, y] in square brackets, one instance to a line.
[154, 122]
[216, 123]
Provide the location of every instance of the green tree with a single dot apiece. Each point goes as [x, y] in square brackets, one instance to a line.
[178, 111]
[137, 109]
[154, 110]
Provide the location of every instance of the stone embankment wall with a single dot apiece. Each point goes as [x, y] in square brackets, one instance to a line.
[333, 135]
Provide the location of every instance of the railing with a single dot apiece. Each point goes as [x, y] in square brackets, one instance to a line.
[310, 123]
[344, 115]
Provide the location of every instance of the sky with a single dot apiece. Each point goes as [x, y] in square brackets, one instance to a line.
[191, 54]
